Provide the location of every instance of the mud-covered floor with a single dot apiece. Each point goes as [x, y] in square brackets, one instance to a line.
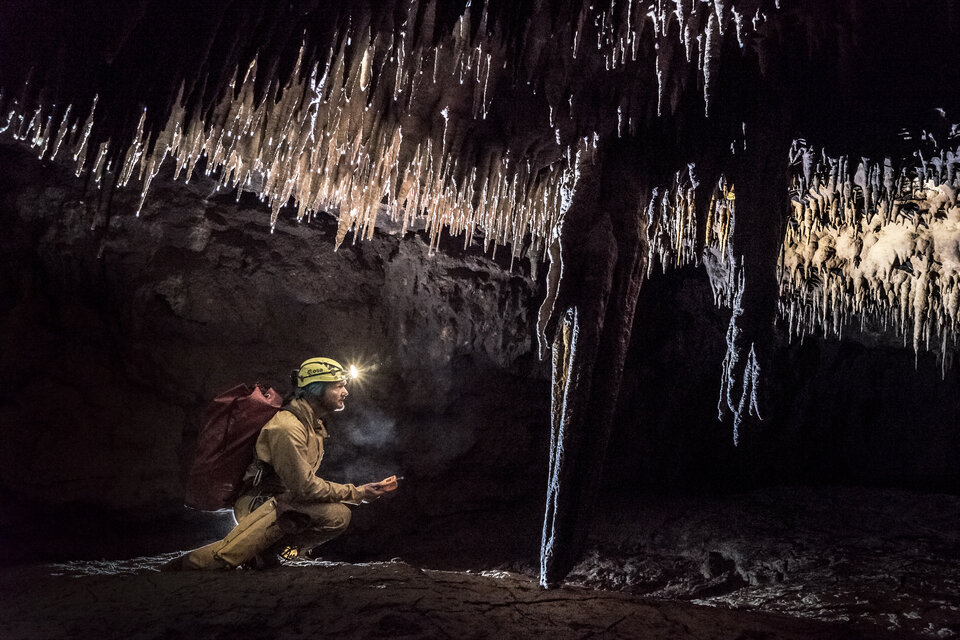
[774, 563]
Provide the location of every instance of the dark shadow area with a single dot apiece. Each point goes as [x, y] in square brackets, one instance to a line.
[862, 411]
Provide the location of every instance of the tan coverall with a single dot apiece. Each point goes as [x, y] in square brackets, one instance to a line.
[306, 510]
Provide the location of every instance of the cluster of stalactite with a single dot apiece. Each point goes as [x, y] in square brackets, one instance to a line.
[874, 243]
[375, 121]
[672, 222]
[867, 243]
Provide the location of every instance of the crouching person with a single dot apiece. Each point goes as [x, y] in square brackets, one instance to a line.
[284, 504]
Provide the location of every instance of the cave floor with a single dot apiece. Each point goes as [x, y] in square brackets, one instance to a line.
[829, 562]
[869, 557]
[311, 599]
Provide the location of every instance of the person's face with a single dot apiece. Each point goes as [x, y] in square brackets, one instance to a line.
[334, 396]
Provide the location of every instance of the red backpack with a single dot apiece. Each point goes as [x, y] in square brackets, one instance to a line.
[225, 445]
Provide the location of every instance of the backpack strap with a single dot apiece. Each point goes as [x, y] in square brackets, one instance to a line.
[264, 469]
[299, 415]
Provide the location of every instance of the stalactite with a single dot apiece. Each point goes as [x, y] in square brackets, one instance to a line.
[900, 226]
[323, 142]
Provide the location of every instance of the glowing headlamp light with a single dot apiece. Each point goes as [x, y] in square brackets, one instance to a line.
[353, 373]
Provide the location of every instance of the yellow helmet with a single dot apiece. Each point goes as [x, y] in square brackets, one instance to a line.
[321, 370]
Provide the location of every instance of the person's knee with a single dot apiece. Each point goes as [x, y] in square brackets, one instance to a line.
[339, 517]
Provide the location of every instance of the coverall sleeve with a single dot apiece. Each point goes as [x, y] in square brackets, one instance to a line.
[286, 440]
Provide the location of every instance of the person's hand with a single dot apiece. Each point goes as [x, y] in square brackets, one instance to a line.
[372, 491]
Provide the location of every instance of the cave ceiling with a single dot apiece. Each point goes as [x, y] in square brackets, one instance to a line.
[805, 153]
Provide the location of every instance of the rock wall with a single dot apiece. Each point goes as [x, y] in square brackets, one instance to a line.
[117, 330]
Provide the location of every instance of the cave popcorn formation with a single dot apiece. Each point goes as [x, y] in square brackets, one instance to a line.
[881, 252]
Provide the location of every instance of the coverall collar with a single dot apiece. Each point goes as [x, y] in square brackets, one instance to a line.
[302, 409]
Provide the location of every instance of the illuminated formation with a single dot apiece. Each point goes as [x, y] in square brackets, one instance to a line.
[876, 246]
[384, 122]
[612, 138]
